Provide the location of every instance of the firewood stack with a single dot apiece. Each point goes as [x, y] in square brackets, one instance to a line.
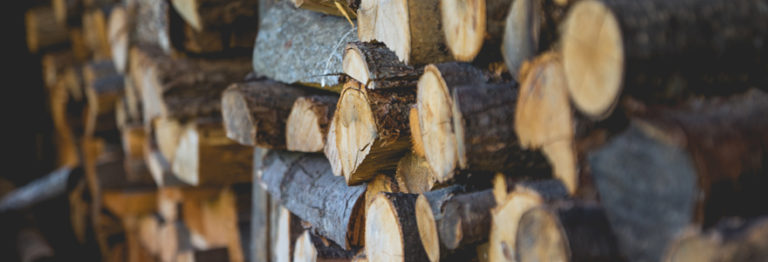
[411, 130]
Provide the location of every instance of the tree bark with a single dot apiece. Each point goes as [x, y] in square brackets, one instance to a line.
[675, 177]
[118, 34]
[308, 123]
[255, 113]
[306, 186]
[376, 66]
[466, 219]
[301, 46]
[661, 50]
[372, 130]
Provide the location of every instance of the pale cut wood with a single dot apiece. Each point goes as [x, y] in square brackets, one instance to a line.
[730, 240]
[205, 156]
[303, 182]
[330, 150]
[307, 125]
[288, 231]
[118, 30]
[310, 47]
[167, 134]
[392, 229]
[466, 219]
[376, 66]
[206, 14]
[371, 129]
[218, 221]
[42, 30]
[380, 183]
[414, 174]
[567, 231]
[701, 47]
[434, 103]
[543, 116]
[416, 140]
[255, 113]
[468, 25]
[506, 216]
[312, 248]
[95, 31]
[410, 28]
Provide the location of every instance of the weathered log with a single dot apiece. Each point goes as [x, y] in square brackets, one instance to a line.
[310, 47]
[543, 117]
[414, 175]
[43, 31]
[506, 216]
[207, 14]
[675, 173]
[345, 8]
[531, 27]
[205, 156]
[392, 228]
[303, 183]
[434, 103]
[307, 125]
[255, 113]
[468, 25]
[412, 29]
[371, 129]
[700, 47]
[310, 247]
[568, 231]
[731, 240]
[376, 66]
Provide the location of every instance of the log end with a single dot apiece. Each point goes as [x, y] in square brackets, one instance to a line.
[237, 117]
[593, 58]
[505, 218]
[383, 236]
[330, 150]
[520, 35]
[354, 64]
[188, 11]
[118, 37]
[303, 133]
[417, 144]
[425, 221]
[464, 27]
[356, 133]
[540, 237]
[186, 159]
[435, 117]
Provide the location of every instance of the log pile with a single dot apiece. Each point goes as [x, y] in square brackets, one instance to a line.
[408, 130]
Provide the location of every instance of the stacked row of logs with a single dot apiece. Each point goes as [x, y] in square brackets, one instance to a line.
[373, 130]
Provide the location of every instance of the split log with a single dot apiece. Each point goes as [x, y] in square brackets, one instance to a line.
[288, 231]
[330, 150]
[416, 140]
[260, 242]
[167, 134]
[303, 183]
[730, 240]
[309, 46]
[312, 248]
[42, 31]
[118, 36]
[380, 183]
[372, 130]
[702, 47]
[392, 228]
[413, 29]
[570, 231]
[95, 32]
[255, 113]
[434, 103]
[677, 176]
[207, 14]
[213, 215]
[307, 125]
[376, 66]
[414, 175]
[469, 25]
[531, 27]
[345, 8]
[148, 233]
[543, 117]
[506, 216]
[205, 156]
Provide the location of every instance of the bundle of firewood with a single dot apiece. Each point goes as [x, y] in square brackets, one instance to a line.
[410, 130]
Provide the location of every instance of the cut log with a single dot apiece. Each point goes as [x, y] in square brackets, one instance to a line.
[372, 130]
[569, 231]
[205, 156]
[206, 14]
[288, 230]
[730, 240]
[305, 182]
[703, 47]
[427, 221]
[468, 25]
[376, 66]
[392, 229]
[345, 8]
[255, 113]
[310, 47]
[118, 34]
[677, 176]
[312, 248]
[167, 134]
[413, 121]
[485, 138]
[466, 219]
[414, 175]
[543, 117]
[435, 116]
[307, 125]
[506, 216]
[531, 27]
[330, 150]
[380, 183]
[215, 221]
[42, 30]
